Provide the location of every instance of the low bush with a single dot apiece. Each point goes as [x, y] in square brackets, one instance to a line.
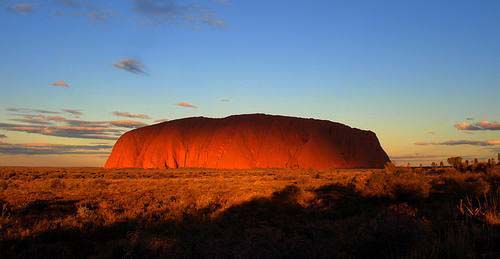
[463, 185]
[405, 186]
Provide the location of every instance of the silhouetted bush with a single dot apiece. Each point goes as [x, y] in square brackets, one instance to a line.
[467, 185]
[456, 162]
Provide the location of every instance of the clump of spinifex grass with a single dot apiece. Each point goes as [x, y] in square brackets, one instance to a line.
[484, 207]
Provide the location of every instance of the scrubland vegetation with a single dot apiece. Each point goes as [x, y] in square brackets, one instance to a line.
[396, 212]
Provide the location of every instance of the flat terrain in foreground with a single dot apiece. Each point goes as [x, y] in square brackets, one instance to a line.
[92, 212]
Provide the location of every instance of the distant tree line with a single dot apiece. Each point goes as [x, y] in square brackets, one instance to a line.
[472, 166]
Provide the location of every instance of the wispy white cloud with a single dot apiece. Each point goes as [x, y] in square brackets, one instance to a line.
[128, 124]
[131, 115]
[50, 124]
[64, 131]
[33, 121]
[28, 110]
[38, 112]
[38, 119]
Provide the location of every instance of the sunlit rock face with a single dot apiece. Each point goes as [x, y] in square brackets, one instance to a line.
[248, 142]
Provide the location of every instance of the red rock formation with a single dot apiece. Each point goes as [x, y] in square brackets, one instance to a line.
[247, 142]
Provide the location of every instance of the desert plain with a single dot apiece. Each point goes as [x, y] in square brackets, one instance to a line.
[357, 213]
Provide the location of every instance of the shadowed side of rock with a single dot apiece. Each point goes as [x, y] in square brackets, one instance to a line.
[248, 142]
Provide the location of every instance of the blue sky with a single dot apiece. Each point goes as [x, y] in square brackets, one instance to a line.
[410, 71]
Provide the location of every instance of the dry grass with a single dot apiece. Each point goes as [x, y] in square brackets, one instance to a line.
[397, 212]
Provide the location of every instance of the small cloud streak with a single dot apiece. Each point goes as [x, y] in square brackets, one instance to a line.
[482, 125]
[186, 105]
[60, 83]
[460, 142]
[157, 12]
[46, 125]
[131, 115]
[64, 131]
[33, 121]
[130, 65]
[52, 149]
[27, 110]
[225, 100]
[170, 12]
[3, 136]
[39, 119]
[86, 9]
[50, 124]
[128, 124]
